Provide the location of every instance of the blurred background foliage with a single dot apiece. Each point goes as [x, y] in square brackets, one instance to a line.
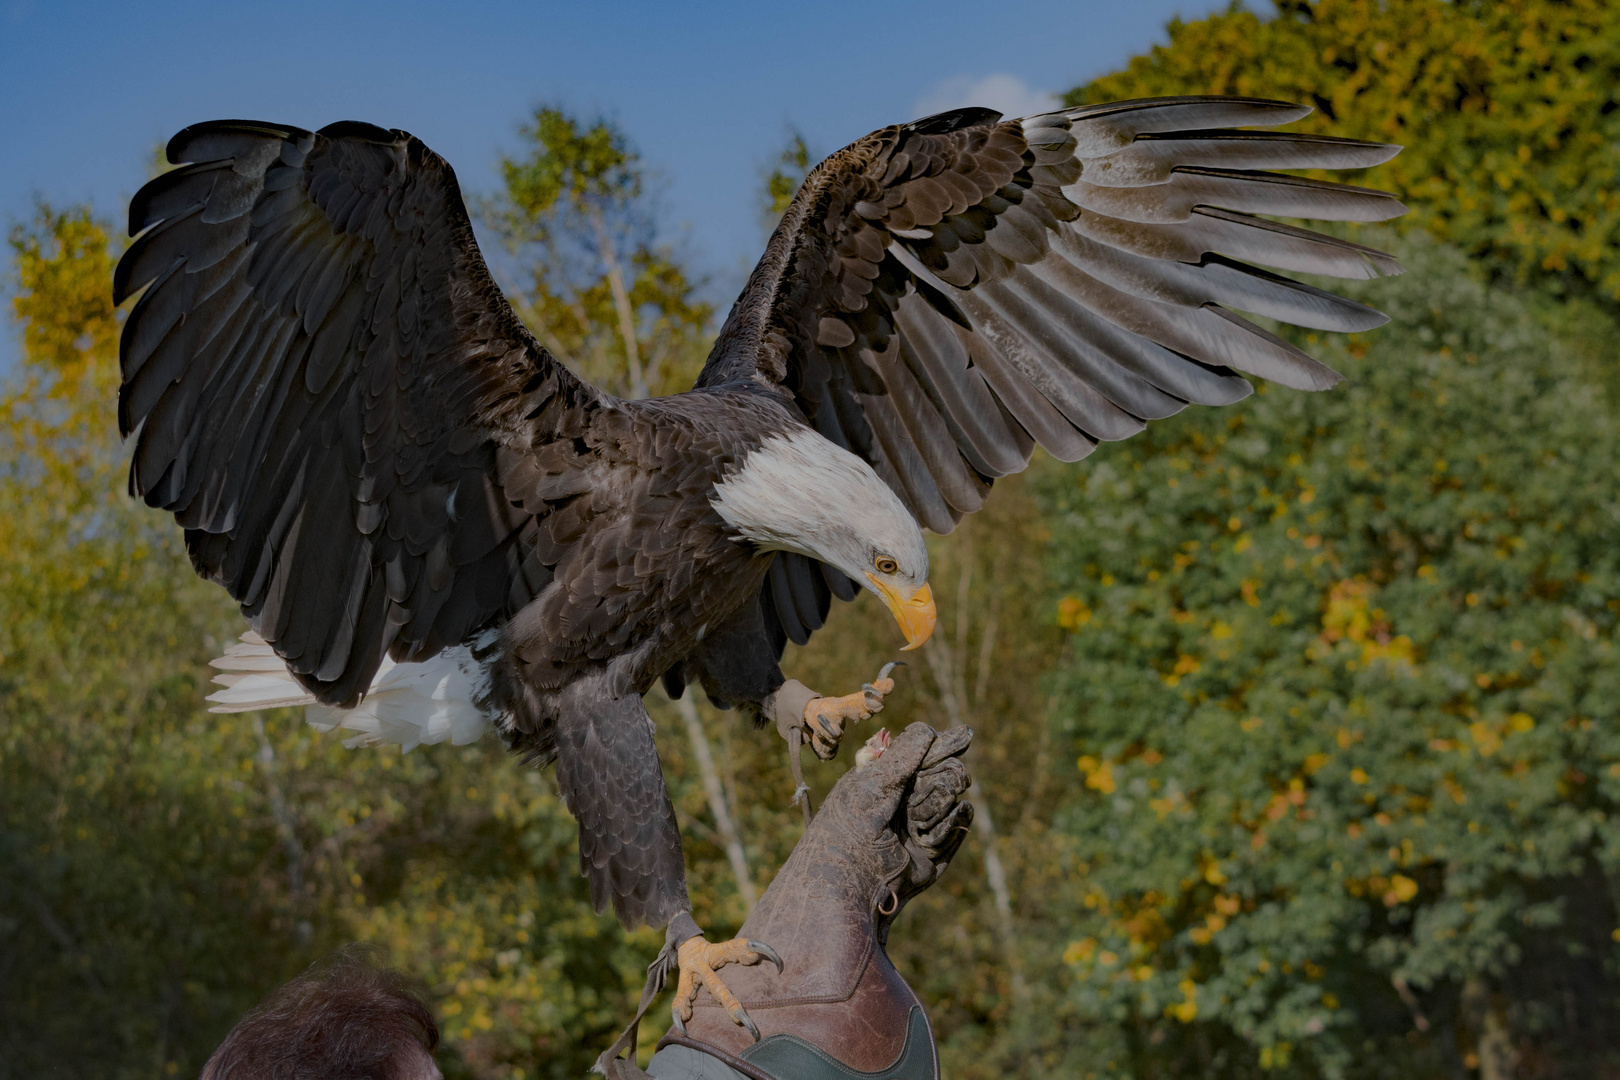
[1299, 751]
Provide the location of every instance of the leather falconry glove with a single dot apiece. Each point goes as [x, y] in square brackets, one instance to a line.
[884, 834]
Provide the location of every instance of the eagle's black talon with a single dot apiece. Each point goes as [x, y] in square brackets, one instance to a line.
[767, 952]
[680, 1025]
[746, 1021]
[826, 727]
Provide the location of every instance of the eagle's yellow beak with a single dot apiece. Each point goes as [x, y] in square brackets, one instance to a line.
[916, 616]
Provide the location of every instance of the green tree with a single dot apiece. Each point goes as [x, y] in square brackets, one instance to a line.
[782, 180]
[604, 296]
[102, 845]
[1509, 111]
[1342, 691]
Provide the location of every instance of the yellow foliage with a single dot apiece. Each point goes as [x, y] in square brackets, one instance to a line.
[1402, 888]
[64, 303]
[1185, 665]
[1165, 806]
[1080, 952]
[1350, 616]
[1099, 774]
[1487, 738]
[1146, 929]
[1073, 613]
[1347, 614]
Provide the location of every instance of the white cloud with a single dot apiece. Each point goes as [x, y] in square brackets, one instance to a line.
[1009, 94]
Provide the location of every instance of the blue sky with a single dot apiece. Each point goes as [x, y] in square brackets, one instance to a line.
[707, 91]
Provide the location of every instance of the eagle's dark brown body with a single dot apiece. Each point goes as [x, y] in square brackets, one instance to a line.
[642, 577]
[369, 451]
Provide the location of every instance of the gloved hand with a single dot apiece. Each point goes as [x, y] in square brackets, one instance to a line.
[884, 834]
[923, 767]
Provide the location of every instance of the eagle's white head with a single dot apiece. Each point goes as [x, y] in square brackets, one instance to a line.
[800, 492]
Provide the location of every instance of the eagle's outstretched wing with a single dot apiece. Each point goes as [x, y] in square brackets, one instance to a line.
[943, 296]
[326, 383]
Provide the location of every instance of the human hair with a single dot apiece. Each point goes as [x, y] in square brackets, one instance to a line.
[346, 1018]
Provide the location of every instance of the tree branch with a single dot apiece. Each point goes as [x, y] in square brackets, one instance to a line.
[945, 664]
[621, 301]
[731, 839]
[286, 827]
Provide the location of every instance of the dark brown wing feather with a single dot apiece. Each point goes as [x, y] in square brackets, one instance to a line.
[322, 374]
[943, 296]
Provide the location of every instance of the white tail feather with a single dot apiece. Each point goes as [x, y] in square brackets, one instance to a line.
[409, 704]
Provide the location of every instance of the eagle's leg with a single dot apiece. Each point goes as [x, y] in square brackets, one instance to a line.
[630, 848]
[826, 717]
[698, 958]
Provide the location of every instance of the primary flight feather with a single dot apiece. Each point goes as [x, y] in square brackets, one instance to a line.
[432, 525]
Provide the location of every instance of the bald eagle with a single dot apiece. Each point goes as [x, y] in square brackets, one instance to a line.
[432, 526]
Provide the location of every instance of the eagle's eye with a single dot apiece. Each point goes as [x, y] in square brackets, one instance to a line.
[886, 565]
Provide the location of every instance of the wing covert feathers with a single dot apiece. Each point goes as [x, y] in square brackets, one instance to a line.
[320, 371]
[943, 296]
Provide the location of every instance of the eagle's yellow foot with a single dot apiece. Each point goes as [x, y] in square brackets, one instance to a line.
[825, 717]
[698, 960]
